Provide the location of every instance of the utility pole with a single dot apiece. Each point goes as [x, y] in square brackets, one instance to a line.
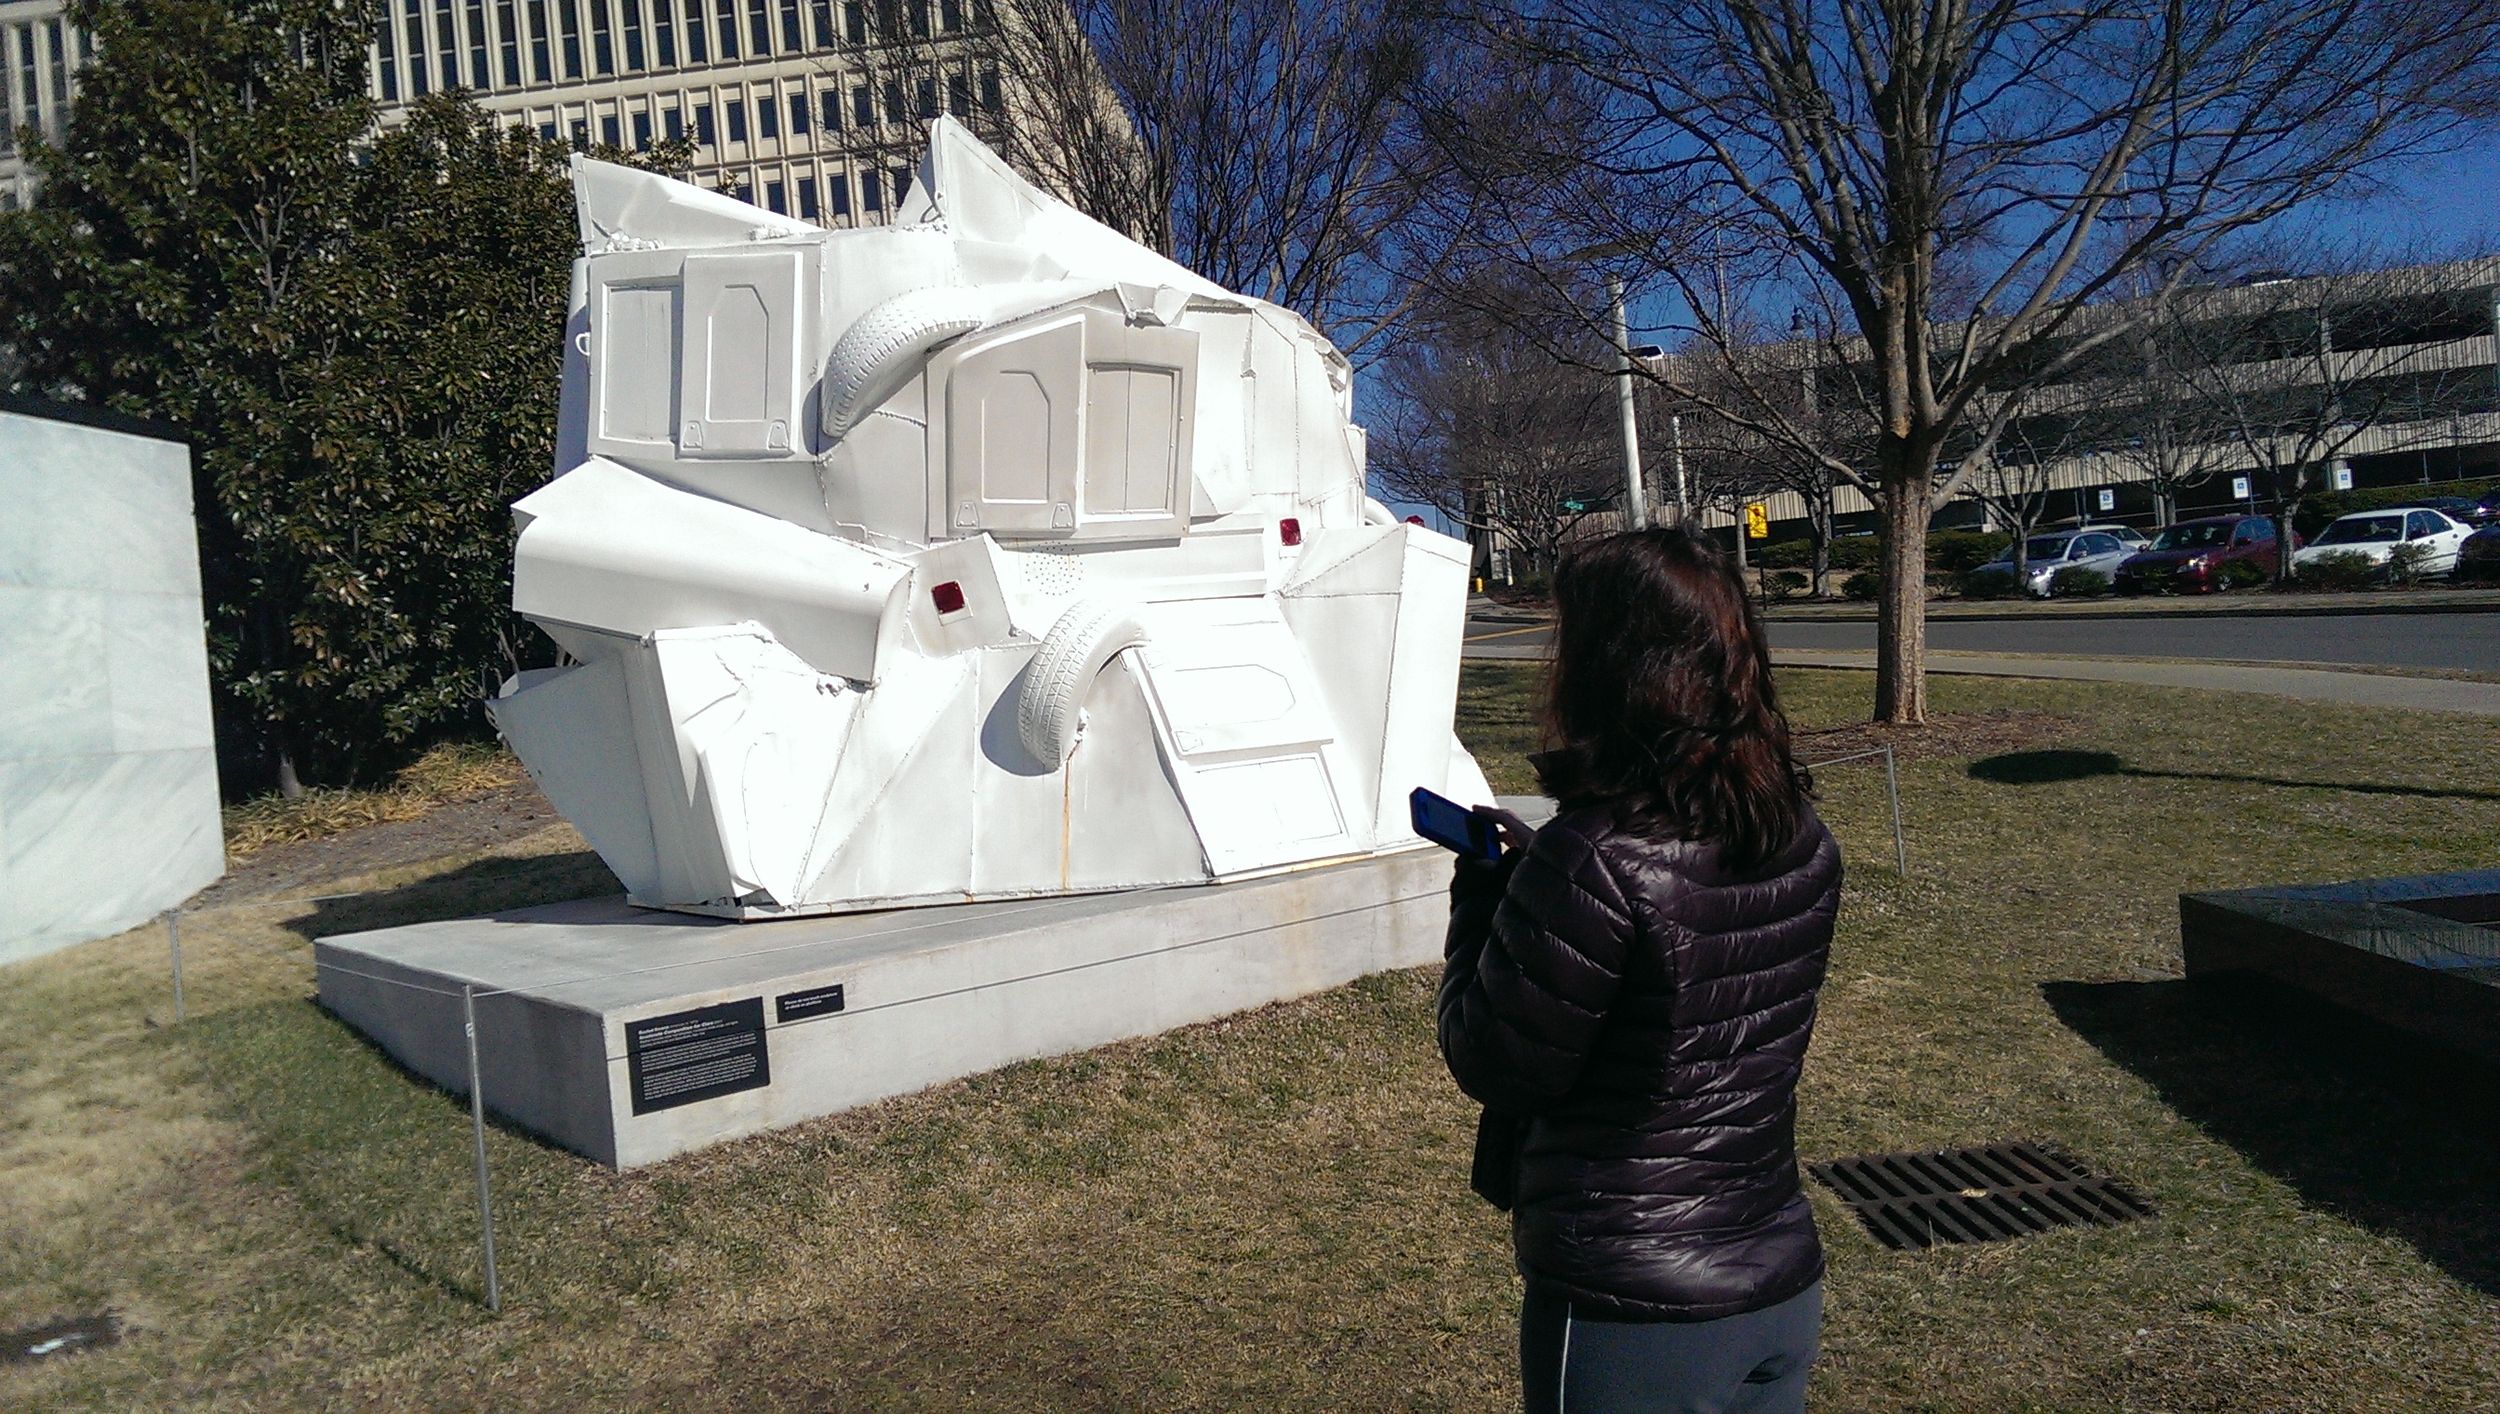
[1635, 505]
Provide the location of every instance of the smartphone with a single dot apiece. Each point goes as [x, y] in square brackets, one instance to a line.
[1453, 826]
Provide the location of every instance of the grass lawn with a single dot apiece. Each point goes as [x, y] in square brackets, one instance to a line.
[1270, 1212]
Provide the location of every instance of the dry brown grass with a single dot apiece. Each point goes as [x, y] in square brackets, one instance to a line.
[454, 771]
[1270, 1212]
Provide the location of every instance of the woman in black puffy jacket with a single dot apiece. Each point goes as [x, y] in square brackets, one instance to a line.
[1629, 994]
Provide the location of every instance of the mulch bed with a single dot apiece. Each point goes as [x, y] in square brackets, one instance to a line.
[1949, 734]
[480, 822]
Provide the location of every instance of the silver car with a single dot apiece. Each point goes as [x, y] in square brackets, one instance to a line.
[2045, 555]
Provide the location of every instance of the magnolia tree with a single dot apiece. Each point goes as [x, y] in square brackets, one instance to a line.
[1960, 182]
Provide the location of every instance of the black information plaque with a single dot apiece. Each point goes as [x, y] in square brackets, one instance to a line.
[696, 1055]
[807, 1005]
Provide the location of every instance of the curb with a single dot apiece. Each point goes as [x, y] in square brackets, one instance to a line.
[2239, 609]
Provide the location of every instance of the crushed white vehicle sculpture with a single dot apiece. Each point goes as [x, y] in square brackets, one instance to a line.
[984, 555]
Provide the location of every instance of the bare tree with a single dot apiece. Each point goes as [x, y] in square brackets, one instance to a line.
[2151, 418]
[2014, 477]
[1962, 180]
[2302, 373]
[1491, 430]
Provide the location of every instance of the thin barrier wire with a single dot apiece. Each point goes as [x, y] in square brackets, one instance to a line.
[469, 993]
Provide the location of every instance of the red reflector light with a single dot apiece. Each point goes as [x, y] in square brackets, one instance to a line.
[949, 597]
[1289, 530]
[1414, 520]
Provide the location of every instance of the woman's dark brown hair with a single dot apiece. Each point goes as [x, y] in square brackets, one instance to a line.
[1661, 701]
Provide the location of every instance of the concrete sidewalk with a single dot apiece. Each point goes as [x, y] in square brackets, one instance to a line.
[2304, 684]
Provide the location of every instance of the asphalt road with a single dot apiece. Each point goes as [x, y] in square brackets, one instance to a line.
[2466, 641]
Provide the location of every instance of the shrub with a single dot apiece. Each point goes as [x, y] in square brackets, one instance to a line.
[1865, 584]
[2408, 563]
[2078, 582]
[1854, 552]
[1785, 555]
[2336, 571]
[1987, 582]
[1783, 584]
[1955, 551]
[2243, 574]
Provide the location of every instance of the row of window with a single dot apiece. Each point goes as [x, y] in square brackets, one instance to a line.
[823, 197]
[35, 64]
[488, 45]
[775, 115]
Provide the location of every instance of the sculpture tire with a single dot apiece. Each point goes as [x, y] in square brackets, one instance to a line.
[880, 353]
[1087, 636]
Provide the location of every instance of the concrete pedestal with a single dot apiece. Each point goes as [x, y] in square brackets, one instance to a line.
[631, 1036]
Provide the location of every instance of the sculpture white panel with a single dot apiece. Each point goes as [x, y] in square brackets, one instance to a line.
[986, 555]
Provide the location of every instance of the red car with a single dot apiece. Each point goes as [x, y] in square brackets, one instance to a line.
[2187, 558]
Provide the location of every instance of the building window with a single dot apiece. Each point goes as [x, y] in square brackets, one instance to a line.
[855, 24]
[703, 133]
[420, 81]
[798, 114]
[581, 135]
[919, 12]
[446, 35]
[951, 15]
[609, 132]
[673, 123]
[928, 98]
[823, 11]
[602, 43]
[894, 101]
[863, 109]
[664, 30]
[642, 130]
[737, 110]
[838, 192]
[571, 21]
[774, 199]
[958, 95]
[807, 198]
[767, 117]
[791, 40]
[989, 91]
[830, 107]
[508, 40]
[547, 130]
[385, 36]
[480, 72]
[728, 17]
[698, 43]
[759, 26]
[634, 55]
[871, 196]
[539, 66]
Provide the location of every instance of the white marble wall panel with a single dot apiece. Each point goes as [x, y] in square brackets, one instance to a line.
[108, 775]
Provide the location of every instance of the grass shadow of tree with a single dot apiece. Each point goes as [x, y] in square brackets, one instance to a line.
[2381, 1128]
[2054, 767]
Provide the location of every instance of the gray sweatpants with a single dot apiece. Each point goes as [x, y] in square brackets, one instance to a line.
[1755, 1363]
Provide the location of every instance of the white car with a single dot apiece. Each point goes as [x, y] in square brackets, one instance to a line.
[2045, 555]
[2128, 535]
[2376, 534]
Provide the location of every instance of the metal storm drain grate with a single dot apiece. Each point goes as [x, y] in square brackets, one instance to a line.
[1987, 1194]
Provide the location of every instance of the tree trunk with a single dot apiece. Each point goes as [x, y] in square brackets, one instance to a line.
[1901, 618]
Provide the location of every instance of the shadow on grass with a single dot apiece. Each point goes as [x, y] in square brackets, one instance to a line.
[2360, 1120]
[486, 886]
[2039, 768]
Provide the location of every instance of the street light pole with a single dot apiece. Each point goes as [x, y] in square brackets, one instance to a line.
[1635, 502]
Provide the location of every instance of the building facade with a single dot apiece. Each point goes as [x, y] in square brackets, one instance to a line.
[813, 108]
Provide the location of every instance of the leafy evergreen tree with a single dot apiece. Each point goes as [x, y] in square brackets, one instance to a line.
[359, 333]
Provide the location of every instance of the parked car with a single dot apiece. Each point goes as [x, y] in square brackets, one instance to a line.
[2479, 557]
[2045, 555]
[2376, 534]
[2489, 504]
[2468, 513]
[2188, 558]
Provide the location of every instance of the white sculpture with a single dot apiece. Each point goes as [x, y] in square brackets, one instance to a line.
[983, 555]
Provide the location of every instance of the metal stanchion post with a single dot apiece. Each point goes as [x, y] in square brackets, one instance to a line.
[1892, 794]
[477, 1126]
[173, 944]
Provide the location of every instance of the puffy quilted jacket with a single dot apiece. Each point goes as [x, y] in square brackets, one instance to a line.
[1633, 1014]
